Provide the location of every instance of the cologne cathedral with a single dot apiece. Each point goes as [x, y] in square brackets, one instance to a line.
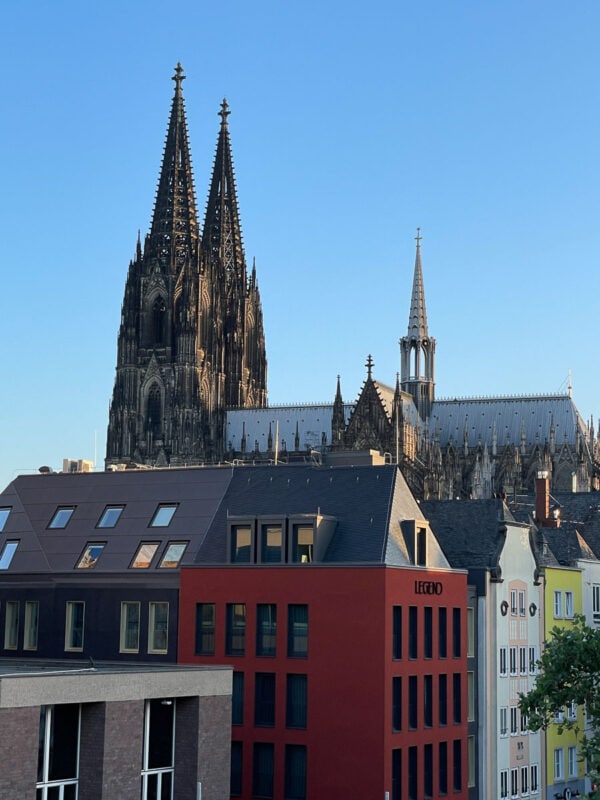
[191, 387]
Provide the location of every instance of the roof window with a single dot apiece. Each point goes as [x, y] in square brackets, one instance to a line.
[4, 512]
[110, 516]
[10, 548]
[173, 555]
[163, 516]
[145, 554]
[91, 554]
[61, 517]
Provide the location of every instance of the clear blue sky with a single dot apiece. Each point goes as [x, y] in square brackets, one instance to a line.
[352, 124]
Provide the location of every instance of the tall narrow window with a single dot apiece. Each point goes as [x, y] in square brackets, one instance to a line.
[471, 765]
[569, 609]
[514, 782]
[533, 783]
[158, 753]
[75, 612]
[295, 772]
[266, 629]
[512, 652]
[442, 632]
[428, 701]
[58, 751]
[396, 774]
[457, 764]
[262, 776]
[237, 699]
[158, 625]
[154, 412]
[504, 783]
[235, 642]
[595, 601]
[521, 603]
[470, 633]
[237, 751]
[456, 633]
[572, 757]
[32, 616]
[130, 627]
[513, 602]
[205, 629]
[297, 631]
[11, 626]
[397, 703]
[428, 770]
[558, 604]
[443, 767]
[158, 321]
[413, 632]
[428, 632]
[271, 543]
[502, 667]
[296, 701]
[524, 780]
[421, 547]
[471, 696]
[264, 699]
[504, 721]
[559, 764]
[241, 544]
[303, 537]
[413, 775]
[443, 699]
[397, 632]
[413, 699]
[457, 697]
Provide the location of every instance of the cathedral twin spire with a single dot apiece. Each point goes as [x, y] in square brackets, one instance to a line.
[191, 341]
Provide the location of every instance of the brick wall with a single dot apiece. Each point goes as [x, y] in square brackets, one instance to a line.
[19, 735]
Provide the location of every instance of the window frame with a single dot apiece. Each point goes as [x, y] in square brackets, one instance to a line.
[87, 553]
[8, 553]
[294, 635]
[557, 605]
[153, 627]
[172, 563]
[158, 513]
[124, 623]
[104, 521]
[31, 625]
[137, 557]
[72, 625]
[56, 522]
[12, 614]
[4, 515]
[206, 629]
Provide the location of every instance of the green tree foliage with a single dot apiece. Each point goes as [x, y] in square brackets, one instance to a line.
[569, 672]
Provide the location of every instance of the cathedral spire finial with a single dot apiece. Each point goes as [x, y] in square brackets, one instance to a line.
[369, 365]
[224, 112]
[179, 77]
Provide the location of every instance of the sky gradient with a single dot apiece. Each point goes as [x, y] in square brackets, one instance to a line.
[351, 125]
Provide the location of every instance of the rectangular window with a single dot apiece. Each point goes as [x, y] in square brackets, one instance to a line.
[443, 767]
[237, 699]
[524, 728]
[428, 701]
[504, 783]
[295, 772]
[557, 604]
[595, 601]
[572, 761]
[262, 774]
[572, 710]
[524, 780]
[513, 602]
[158, 627]
[513, 660]
[241, 544]
[297, 631]
[130, 627]
[32, 619]
[266, 629]
[470, 696]
[471, 765]
[523, 661]
[163, 516]
[413, 632]
[4, 512]
[264, 699]
[428, 770]
[145, 554]
[521, 603]
[396, 774]
[443, 699]
[11, 625]
[237, 753]
[532, 660]
[457, 697]
[421, 547]
[58, 751]
[457, 764]
[504, 721]
[514, 782]
[110, 516]
[470, 633]
[235, 634]
[413, 699]
[514, 720]
[559, 764]
[173, 554]
[8, 551]
[158, 754]
[75, 613]
[397, 632]
[303, 537]
[413, 776]
[442, 632]
[533, 783]
[569, 611]
[61, 517]
[428, 632]
[456, 633]
[296, 701]
[91, 554]
[503, 670]
[205, 629]
[397, 704]
[271, 544]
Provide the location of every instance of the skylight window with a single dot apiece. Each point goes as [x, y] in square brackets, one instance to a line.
[163, 516]
[173, 554]
[91, 554]
[4, 512]
[110, 516]
[10, 548]
[61, 517]
[145, 554]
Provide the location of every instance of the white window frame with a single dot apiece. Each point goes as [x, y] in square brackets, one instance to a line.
[557, 604]
[147, 772]
[569, 606]
[522, 603]
[470, 632]
[522, 661]
[596, 601]
[503, 670]
[572, 761]
[524, 781]
[532, 660]
[32, 625]
[503, 783]
[11, 624]
[572, 710]
[559, 764]
[514, 782]
[125, 605]
[470, 696]
[503, 721]
[524, 724]
[153, 631]
[534, 782]
[71, 606]
[513, 662]
[45, 785]
[513, 603]
[514, 721]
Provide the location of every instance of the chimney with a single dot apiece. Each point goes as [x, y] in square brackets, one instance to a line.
[543, 517]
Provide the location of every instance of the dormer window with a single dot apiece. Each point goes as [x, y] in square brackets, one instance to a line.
[241, 544]
[421, 547]
[271, 545]
[61, 517]
[303, 540]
